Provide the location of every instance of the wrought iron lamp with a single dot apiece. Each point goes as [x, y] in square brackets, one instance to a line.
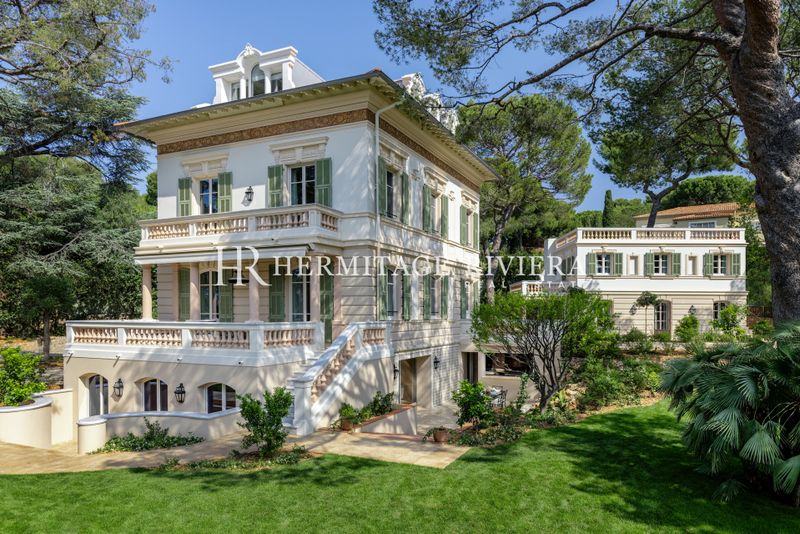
[692, 310]
[436, 362]
[248, 194]
[118, 388]
[180, 393]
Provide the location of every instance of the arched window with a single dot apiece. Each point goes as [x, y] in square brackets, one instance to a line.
[220, 397]
[98, 395]
[258, 81]
[155, 395]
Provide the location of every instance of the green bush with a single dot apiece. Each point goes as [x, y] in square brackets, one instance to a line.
[617, 382]
[474, 404]
[20, 376]
[552, 416]
[729, 322]
[763, 329]
[379, 405]
[264, 422]
[154, 437]
[638, 342]
[347, 411]
[662, 337]
[688, 328]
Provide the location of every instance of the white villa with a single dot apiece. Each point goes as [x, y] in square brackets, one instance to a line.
[692, 261]
[311, 175]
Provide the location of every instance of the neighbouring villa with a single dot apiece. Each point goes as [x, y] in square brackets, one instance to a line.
[317, 177]
[691, 260]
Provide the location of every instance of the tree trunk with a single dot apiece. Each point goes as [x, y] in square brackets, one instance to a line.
[770, 118]
[656, 204]
[46, 334]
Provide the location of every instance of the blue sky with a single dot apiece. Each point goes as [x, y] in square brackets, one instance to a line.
[335, 38]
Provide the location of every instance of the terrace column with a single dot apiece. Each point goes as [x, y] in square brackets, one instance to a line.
[194, 292]
[254, 299]
[147, 292]
[315, 301]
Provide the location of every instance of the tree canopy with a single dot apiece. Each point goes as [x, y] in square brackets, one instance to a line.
[714, 189]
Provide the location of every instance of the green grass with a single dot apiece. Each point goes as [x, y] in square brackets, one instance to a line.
[624, 471]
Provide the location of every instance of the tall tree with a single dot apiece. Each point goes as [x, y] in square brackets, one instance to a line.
[608, 207]
[739, 55]
[536, 146]
[713, 189]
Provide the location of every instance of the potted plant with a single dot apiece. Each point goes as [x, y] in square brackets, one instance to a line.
[347, 417]
[440, 434]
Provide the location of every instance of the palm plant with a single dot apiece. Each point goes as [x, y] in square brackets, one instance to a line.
[743, 406]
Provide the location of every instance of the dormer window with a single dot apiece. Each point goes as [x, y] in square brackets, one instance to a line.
[258, 81]
[276, 82]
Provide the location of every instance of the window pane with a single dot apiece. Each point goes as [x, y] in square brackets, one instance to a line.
[164, 395]
[297, 185]
[276, 83]
[258, 81]
[150, 396]
[214, 398]
[230, 398]
[311, 183]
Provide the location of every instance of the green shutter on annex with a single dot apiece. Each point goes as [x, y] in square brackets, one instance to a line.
[736, 264]
[676, 264]
[225, 199]
[184, 197]
[383, 295]
[427, 199]
[225, 302]
[707, 264]
[445, 226]
[445, 297]
[464, 225]
[426, 296]
[591, 264]
[275, 185]
[406, 297]
[183, 294]
[463, 299]
[323, 188]
[276, 296]
[648, 264]
[405, 209]
[382, 200]
[617, 268]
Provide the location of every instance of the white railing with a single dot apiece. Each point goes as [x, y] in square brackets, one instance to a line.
[257, 337]
[241, 222]
[616, 235]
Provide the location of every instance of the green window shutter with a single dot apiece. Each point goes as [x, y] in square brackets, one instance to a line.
[476, 230]
[736, 264]
[275, 185]
[406, 297]
[648, 264]
[426, 296]
[463, 298]
[464, 225]
[445, 205]
[707, 264]
[225, 181]
[383, 295]
[445, 297]
[225, 303]
[382, 201]
[591, 264]
[276, 296]
[617, 269]
[184, 197]
[323, 193]
[427, 198]
[405, 209]
[676, 264]
[183, 294]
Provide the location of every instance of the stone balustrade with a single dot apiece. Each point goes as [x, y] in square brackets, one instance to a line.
[665, 235]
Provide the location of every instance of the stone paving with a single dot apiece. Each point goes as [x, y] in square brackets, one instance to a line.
[20, 460]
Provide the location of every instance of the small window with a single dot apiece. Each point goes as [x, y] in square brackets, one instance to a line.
[718, 307]
[390, 185]
[220, 397]
[98, 395]
[301, 296]
[434, 298]
[258, 81]
[719, 264]
[707, 224]
[276, 82]
[603, 264]
[209, 296]
[661, 264]
[236, 92]
[662, 317]
[391, 288]
[209, 196]
[304, 182]
[155, 396]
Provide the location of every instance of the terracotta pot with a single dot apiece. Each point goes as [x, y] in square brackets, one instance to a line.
[440, 436]
[347, 425]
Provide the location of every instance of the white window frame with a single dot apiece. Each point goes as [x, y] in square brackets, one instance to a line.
[603, 264]
[391, 293]
[661, 264]
[102, 389]
[304, 184]
[225, 387]
[236, 91]
[664, 320]
[717, 307]
[212, 299]
[275, 77]
[706, 224]
[304, 282]
[212, 195]
[719, 264]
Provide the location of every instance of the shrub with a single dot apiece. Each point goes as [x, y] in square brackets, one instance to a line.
[688, 328]
[346, 411]
[264, 422]
[622, 382]
[763, 329]
[662, 337]
[474, 404]
[638, 342]
[380, 404]
[20, 376]
[154, 437]
[553, 416]
[729, 322]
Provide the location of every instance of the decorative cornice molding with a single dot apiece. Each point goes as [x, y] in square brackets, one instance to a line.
[301, 150]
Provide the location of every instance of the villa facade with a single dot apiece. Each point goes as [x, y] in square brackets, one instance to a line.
[260, 271]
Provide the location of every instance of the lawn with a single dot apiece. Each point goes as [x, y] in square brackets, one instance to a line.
[624, 471]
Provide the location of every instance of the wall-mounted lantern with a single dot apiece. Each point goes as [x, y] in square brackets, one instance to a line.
[395, 371]
[118, 388]
[436, 362]
[692, 310]
[180, 393]
[248, 195]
